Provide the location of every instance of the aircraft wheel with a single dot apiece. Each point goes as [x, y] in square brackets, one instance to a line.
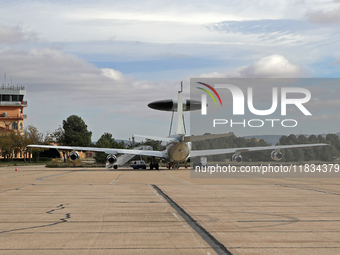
[156, 166]
[115, 167]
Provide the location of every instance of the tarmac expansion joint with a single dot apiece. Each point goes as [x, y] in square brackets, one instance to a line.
[210, 239]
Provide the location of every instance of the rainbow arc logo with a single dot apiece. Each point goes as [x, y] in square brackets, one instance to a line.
[209, 93]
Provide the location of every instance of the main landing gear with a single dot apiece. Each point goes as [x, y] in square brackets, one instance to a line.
[154, 166]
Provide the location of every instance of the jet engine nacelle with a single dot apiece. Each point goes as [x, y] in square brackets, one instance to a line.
[237, 158]
[111, 159]
[276, 155]
[74, 155]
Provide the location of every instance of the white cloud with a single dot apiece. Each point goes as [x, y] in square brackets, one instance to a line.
[76, 21]
[46, 66]
[14, 35]
[273, 66]
[60, 84]
[113, 74]
[331, 16]
[151, 34]
[213, 75]
[51, 70]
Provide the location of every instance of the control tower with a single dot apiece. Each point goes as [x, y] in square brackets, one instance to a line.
[12, 106]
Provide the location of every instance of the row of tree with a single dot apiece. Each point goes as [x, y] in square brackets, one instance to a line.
[13, 143]
[74, 132]
[318, 153]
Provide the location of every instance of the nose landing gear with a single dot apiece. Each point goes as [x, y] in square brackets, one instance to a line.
[173, 166]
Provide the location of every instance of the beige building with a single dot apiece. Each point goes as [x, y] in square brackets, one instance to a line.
[12, 115]
[12, 106]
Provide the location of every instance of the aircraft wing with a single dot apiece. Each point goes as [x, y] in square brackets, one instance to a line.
[239, 150]
[150, 153]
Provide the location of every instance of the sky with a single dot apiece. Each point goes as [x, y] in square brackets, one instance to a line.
[106, 60]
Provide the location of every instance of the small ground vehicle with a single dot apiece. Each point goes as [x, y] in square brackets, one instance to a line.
[137, 164]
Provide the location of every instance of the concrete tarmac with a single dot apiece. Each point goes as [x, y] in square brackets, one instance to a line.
[99, 211]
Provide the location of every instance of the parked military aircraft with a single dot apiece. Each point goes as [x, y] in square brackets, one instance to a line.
[178, 148]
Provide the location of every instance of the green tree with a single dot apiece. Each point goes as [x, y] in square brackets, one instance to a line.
[287, 155]
[302, 139]
[334, 140]
[309, 154]
[73, 132]
[58, 136]
[298, 155]
[312, 139]
[326, 154]
[106, 141]
[284, 140]
[23, 141]
[8, 142]
[292, 139]
[132, 143]
[321, 139]
[33, 136]
[156, 145]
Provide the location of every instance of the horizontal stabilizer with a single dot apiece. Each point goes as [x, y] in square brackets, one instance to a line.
[194, 138]
[156, 138]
